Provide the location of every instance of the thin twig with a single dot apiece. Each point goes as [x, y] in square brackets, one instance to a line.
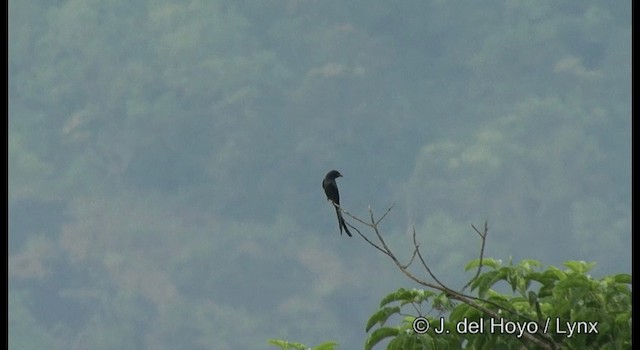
[383, 215]
[424, 264]
[351, 215]
[541, 340]
[367, 239]
[415, 250]
[483, 237]
[355, 228]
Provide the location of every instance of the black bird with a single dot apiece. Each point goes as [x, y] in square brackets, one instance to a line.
[331, 190]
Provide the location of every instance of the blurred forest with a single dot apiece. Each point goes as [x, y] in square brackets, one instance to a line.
[165, 158]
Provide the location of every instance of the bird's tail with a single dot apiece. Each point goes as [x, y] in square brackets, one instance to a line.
[342, 224]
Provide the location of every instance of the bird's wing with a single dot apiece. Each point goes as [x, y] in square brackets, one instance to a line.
[331, 190]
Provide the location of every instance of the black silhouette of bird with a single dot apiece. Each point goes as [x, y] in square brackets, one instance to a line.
[331, 190]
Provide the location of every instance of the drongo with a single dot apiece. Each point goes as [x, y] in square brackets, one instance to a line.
[331, 190]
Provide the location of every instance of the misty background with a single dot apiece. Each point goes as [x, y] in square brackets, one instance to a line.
[165, 159]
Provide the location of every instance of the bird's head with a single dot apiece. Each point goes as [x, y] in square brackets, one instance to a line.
[333, 174]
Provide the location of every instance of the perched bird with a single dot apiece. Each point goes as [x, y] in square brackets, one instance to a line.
[331, 190]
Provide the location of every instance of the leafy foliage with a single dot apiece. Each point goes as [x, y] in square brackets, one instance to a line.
[575, 310]
[561, 299]
[285, 345]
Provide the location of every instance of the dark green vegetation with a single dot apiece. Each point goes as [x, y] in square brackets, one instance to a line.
[165, 158]
[567, 310]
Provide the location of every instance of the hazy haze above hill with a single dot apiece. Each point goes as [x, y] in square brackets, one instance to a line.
[165, 158]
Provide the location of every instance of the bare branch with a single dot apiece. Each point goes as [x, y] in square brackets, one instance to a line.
[351, 215]
[413, 255]
[383, 215]
[478, 231]
[483, 236]
[424, 264]
[367, 239]
[355, 228]
[540, 340]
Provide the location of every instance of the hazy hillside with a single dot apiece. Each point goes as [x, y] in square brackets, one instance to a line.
[165, 158]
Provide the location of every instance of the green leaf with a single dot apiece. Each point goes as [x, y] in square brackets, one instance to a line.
[400, 294]
[580, 267]
[622, 278]
[573, 283]
[528, 263]
[329, 345]
[459, 312]
[554, 273]
[512, 278]
[407, 296]
[411, 342]
[472, 314]
[442, 302]
[623, 318]
[286, 345]
[427, 342]
[490, 262]
[542, 278]
[487, 280]
[381, 316]
[400, 343]
[380, 334]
